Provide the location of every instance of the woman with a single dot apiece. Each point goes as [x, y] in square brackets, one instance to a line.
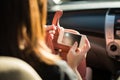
[22, 35]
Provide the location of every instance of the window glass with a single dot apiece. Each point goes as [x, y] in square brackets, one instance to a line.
[86, 0]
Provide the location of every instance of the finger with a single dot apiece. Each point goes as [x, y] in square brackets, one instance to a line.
[52, 36]
[52, 27]
[87, 42]
[85, 50]
[74, 47]
[58, 28]
[78, 51]
[51, 32]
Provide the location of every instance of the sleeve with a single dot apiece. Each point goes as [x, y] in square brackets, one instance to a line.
[65, 69]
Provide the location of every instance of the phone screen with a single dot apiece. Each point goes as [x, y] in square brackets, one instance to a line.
[69, 39]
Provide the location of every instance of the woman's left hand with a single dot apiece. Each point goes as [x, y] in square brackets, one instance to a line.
[50, 32]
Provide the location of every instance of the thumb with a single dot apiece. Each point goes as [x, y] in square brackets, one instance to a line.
[74, 47]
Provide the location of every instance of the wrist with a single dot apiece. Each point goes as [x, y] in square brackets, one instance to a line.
[73, 67]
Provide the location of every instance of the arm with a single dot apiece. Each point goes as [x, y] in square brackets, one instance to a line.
[76, 55]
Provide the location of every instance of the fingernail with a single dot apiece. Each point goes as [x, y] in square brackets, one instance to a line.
[75, 44]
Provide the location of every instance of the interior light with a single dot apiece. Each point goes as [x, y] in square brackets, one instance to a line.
[57, 1]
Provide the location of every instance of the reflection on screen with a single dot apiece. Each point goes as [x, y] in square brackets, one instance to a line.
[69, 39]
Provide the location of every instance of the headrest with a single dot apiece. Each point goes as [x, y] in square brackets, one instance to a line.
[16, 69]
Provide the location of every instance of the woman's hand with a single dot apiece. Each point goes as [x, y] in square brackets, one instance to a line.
[76, 55]
[50, 32]
[53, 31]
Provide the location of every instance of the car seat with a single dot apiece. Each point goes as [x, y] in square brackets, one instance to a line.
[16, 69]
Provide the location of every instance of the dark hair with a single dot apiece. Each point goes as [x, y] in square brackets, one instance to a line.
[13, 14]
[22, 30]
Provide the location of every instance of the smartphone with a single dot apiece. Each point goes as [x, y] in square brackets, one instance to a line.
[68, 39]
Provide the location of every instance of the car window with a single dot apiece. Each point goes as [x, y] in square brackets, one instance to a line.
[64, 1]
[89, 0]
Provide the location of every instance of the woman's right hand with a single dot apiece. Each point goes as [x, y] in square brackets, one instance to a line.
[76, 55]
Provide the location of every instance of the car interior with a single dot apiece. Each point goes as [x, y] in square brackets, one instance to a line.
[100, 21]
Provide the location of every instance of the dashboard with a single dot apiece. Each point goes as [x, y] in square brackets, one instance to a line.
[112, 32]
